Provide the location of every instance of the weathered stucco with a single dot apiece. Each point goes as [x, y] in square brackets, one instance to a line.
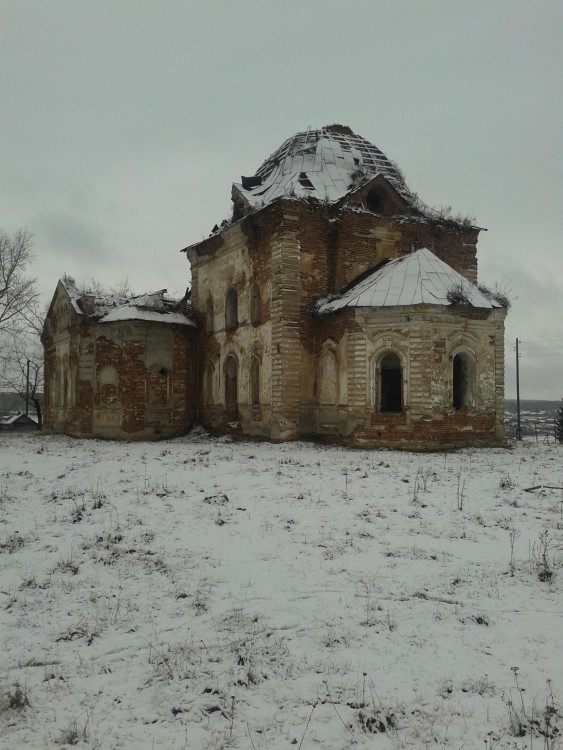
[127, 379]
[265, 359]
[319, 374]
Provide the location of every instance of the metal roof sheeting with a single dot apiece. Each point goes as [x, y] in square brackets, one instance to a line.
[416, 279]
[328, 158]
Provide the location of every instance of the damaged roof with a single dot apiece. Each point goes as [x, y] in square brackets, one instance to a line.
[420, 278]
[109, 308]
[325, 164]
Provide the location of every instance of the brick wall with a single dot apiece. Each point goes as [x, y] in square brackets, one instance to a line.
[299, 251]
[125, 380]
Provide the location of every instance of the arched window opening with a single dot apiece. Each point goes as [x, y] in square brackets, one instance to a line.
[231, 388]
[255, 383]
[328, 379]
[254, 303]
[390, 383]
[461, 380]
[210, 316]
[208, 391]
[231, 309]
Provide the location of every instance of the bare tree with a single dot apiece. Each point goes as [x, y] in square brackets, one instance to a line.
[21, 369]
[17, 289]
[21, 356]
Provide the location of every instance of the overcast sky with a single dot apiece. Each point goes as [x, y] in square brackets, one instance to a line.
[123, 124]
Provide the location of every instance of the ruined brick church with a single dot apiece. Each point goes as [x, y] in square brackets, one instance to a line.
[334, 305]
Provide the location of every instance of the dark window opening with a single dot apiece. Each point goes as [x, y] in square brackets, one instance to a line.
[251, 182]
[390, 384]
[231, 309]
[305, 182]
[374, 201]
[461, 381]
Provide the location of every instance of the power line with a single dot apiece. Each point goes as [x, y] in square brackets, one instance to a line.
[539, 341]
[535, 347]
[543, 349]
[531, 355]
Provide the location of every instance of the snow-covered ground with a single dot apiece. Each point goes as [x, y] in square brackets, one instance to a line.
[199, 593]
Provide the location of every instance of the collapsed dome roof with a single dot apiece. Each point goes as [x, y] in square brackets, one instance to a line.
[324, 164]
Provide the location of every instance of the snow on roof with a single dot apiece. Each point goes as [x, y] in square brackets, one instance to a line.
[14, 417]
[131, 312]
[322, 164]
[109, 308]
[416, 279]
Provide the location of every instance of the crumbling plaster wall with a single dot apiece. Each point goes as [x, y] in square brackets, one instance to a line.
[240, 259]
[426, 341]
[299, 251]
[126, 380]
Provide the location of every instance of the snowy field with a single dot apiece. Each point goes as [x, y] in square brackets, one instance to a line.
[199, 593]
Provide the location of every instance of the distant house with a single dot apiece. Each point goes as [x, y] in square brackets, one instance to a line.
[19, 422]
[334, 304]
[119, 367]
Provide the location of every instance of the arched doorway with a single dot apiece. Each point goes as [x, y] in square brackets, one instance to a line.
[231, 388]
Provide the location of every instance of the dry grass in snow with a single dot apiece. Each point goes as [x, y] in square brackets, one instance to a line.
[199, 593]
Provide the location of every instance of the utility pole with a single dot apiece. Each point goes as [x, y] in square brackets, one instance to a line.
[518, 426]
[27, 389]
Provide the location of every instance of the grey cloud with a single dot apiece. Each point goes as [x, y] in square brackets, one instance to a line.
[124, 124]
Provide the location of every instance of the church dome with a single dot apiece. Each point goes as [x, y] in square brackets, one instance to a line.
[324, 164]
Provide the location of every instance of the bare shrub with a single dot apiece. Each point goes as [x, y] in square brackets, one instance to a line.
[457, 294]
[67, 566]
[14, 698]
[13, 543]
[540, 557]
[482, 686]
[526, 719]
[72, 735]
[506, 482]
[501, 293]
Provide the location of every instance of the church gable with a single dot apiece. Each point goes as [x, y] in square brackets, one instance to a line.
[63, 311]
[376, 195]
